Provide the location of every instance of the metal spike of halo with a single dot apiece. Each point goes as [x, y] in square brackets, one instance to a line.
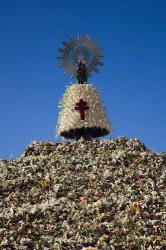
[80, 49]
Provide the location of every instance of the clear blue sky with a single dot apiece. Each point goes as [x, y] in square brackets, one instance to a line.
[132, 81]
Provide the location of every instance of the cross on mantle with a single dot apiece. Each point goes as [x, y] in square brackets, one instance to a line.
[81, 106]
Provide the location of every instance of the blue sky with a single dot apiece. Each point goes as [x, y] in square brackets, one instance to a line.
[132, 81]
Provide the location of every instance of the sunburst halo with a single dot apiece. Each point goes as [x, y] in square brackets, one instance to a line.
[80, 49]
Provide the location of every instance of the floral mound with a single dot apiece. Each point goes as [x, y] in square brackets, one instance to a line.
[84, 195]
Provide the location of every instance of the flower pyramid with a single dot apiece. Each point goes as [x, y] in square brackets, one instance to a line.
[83, 195]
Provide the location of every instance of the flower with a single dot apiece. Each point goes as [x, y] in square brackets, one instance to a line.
[89, 248]
[83, 201]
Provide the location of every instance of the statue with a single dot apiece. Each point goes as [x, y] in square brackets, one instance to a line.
[82, 113]
[81, 73]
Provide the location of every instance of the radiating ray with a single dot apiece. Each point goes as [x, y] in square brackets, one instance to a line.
[73, 42]
[67, 45]
[80, 40]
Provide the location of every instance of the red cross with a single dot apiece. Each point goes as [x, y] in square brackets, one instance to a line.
[81, 106]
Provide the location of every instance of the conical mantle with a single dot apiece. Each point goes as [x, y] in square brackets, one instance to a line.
[82, 113]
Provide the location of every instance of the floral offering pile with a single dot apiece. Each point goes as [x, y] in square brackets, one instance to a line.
[84, 195]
